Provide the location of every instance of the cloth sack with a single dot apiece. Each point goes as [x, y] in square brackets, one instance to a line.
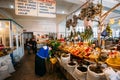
[79, 74]
[65, 60]
[95, 76]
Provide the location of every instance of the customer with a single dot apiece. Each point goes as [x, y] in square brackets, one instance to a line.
[34, 45]
[28, 46]
[42, 54]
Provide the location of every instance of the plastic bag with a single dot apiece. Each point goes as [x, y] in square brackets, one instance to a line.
[10, 66]
[104, 33]
[110, 74]
[4, 73]
[118, 75]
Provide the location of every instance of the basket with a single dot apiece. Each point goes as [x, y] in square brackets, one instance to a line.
[53, 60]
[112, 62]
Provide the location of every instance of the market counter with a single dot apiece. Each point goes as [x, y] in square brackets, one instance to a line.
[74, 75]
[6, 51]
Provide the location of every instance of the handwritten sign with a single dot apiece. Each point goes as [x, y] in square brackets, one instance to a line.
[40, 8]
[26, 7]
[47, 8]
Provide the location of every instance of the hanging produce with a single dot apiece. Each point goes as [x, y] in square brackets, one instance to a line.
[87, 14]
[71, 35]
[74, 23]
[68, 23]
[75, 18]
[109, 30]
[87, 34]
[90, 11]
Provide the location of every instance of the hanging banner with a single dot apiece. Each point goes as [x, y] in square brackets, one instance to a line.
[40, 8]
[47, 8]
[26, 7]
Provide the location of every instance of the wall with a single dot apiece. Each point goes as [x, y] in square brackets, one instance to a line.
[4, 14]
[61, 28]
[38, 26]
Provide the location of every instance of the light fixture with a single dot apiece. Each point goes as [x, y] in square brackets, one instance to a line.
[119, 22]
[11, 6]
[112, 21]
[63, 12]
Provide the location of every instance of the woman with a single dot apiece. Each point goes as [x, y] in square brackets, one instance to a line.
[42, 54]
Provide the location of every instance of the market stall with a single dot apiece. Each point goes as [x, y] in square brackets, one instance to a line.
[11, 46]
[84, 62]
[81, 56]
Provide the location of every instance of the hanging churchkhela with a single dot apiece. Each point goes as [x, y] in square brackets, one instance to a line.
[74, 23]
[68, 23]
[87, 14]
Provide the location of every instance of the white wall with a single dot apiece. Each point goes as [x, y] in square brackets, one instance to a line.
[61, 28]
[38, 26]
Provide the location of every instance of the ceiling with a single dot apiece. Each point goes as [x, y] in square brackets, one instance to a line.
[63, 8]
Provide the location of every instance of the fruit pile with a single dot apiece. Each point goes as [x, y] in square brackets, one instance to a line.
[80, 49]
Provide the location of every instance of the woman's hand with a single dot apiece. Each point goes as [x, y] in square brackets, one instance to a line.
[50, 48]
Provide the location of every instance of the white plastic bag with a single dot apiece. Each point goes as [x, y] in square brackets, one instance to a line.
[4, 73]
[8, 62]
[17, 58]
[10, 66]
[118, 75]
[110, 74]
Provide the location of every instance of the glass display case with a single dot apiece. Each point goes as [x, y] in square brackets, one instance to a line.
[11, 36]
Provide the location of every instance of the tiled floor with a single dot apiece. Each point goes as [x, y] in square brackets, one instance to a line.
[25, 71]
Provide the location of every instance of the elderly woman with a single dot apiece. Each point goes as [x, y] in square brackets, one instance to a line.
[42, 54]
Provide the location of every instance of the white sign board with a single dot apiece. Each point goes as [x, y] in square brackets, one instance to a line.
[40, 8]
[26, 7]
[47, 8]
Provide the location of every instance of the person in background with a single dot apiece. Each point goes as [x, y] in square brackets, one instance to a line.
[34, 46]
[28, 46]
[1, 45]
[41, 56]
[118, 45]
